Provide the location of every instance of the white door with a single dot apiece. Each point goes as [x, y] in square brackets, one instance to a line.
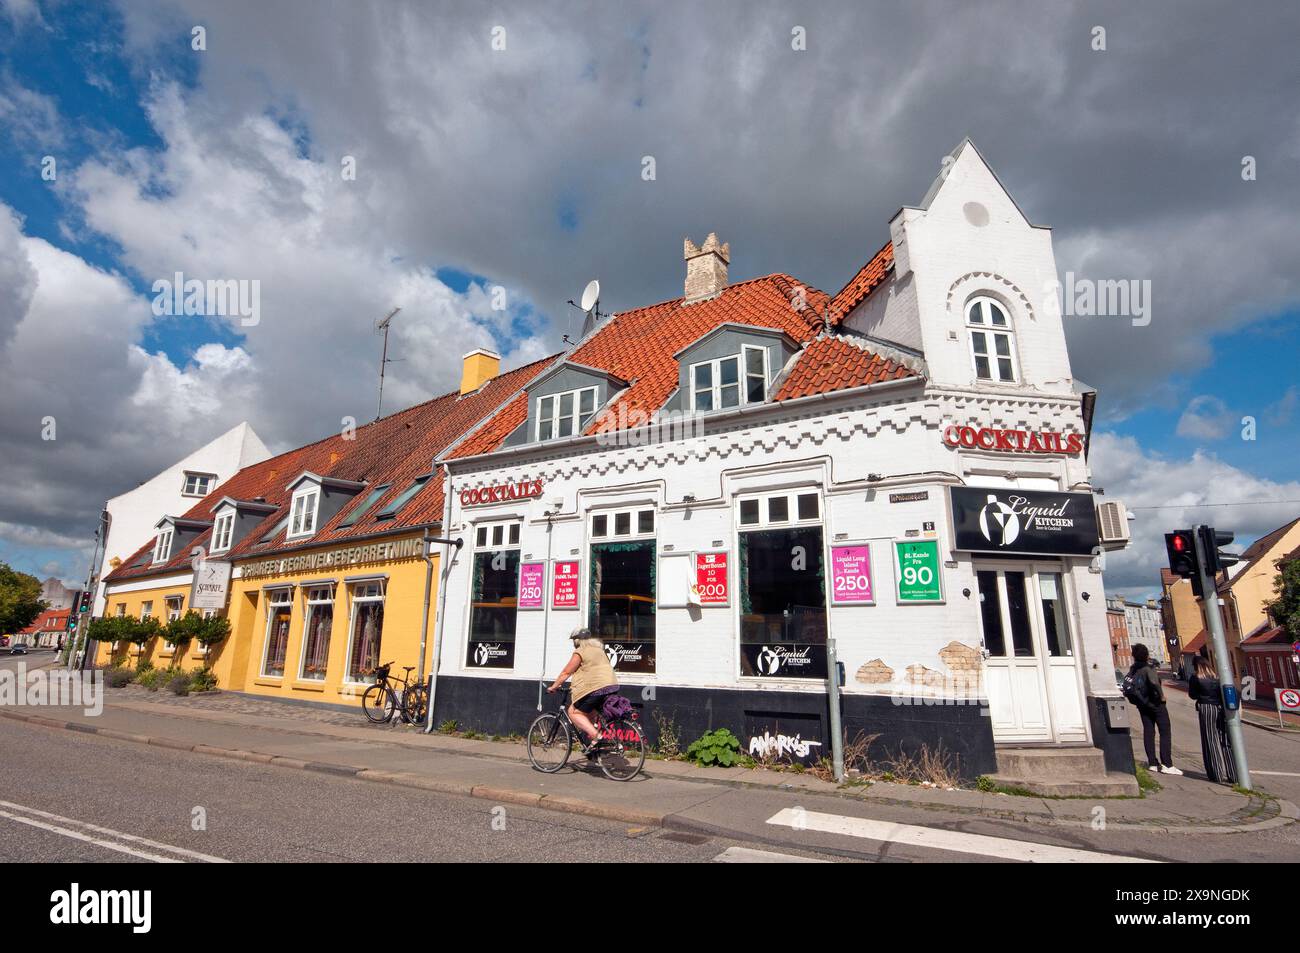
[1030, 671]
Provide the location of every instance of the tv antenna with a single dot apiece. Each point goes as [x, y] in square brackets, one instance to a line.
[590, 306]
[384, 361]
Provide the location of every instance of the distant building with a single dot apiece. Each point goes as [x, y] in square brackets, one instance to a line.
[47, 631]
[1117, 625]
[1246, 590]
[1145, 626]
[1180, 611]
[133, 516]
[56, 595]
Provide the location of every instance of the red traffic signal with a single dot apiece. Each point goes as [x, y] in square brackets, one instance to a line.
[1181, 549]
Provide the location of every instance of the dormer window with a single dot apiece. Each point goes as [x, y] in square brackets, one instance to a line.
[223, 531]
[302, 515]
[992, 341]
[730, 381]
[162, 548]
[197, 484]
[566, 413]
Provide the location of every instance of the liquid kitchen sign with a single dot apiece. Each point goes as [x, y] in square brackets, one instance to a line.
[1025, 522]
[1012, 441]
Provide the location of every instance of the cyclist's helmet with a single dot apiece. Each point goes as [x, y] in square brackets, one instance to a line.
[579, 634]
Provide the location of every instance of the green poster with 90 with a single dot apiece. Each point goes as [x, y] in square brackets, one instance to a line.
[918, 570]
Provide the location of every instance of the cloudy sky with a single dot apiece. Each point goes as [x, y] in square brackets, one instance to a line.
[503, 146]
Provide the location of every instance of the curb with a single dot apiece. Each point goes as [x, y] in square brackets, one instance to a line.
[1288, 813]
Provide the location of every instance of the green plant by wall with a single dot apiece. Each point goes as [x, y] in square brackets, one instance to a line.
[718, 747]
[179, 684]
[202, 680]
[151, 678]
[115, 676]
[215, 629]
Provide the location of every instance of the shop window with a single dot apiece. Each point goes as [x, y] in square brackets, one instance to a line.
[302, 520]
[494, 599]
[365, 631]
[622, 603]
[174, 606]
[121, 609]
[778, 509]
[782, 603]
[992, 342]
[197, 484]
[279, 608]
[162, 549]
[623, 523]
[222, 531]
[565, 414]
[146, 609]
[316, 633]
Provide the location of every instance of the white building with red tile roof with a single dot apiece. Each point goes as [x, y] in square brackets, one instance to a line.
[720, 484]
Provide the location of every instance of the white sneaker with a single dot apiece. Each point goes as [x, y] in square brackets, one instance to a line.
[1170, 771]
[1153, 768]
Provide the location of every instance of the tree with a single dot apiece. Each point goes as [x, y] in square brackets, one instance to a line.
[1285, 610]
[20, 600]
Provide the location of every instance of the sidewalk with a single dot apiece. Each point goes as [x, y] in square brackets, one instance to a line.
[672, 794]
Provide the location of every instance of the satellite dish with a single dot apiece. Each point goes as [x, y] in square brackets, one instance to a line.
[591, 295]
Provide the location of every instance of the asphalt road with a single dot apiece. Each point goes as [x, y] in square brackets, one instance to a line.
[260, 813]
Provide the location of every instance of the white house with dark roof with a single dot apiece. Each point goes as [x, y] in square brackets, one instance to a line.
[723, 484]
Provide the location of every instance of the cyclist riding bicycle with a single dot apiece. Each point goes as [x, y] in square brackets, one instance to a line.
[593, 681]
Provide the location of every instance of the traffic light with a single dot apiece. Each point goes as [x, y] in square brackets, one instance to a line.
[1211, 540]
[1180, 545]
[86, 597]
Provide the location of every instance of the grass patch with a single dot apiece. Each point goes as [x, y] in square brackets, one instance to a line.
[1147, 782]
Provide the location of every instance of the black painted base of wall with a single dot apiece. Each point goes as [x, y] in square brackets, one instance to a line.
[503, 706]
[1115, 743]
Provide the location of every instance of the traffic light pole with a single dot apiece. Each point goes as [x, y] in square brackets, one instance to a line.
[1222, 661]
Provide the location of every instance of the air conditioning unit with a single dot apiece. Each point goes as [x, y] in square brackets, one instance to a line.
[1112, 522]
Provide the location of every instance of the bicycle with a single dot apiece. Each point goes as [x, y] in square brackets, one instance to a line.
[382, 700]
[619, 750]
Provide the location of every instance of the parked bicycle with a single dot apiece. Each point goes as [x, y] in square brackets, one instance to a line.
[619, 749]
[391, 695]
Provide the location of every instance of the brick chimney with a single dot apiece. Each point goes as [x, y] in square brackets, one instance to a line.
[706, 268]
[479, 366]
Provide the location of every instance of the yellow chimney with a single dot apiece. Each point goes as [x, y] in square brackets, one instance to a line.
[480, 366]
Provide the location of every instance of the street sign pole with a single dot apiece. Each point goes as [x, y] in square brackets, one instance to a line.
[1222, 661]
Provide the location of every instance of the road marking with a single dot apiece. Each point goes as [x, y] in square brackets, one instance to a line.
[937, 839]
[1277, 774]
[100, 836]
[747, 855]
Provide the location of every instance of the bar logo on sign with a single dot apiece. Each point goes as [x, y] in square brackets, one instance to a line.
[1023, 521]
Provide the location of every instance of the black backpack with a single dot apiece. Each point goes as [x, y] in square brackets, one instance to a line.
[1129, 688]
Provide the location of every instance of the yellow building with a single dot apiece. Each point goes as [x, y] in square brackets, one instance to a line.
[321, 554]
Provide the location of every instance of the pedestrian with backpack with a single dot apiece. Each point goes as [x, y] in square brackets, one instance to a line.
[1142, 688]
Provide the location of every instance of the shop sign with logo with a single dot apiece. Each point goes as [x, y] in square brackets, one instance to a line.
[1023, 522]
[211, 581]
[917, 566]
[851, 576]
[487, 654]
[564, 592]
[532, 585]
[783, 659]
[710, 587]
[631, 656]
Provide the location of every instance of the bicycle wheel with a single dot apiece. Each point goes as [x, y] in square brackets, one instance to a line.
[623, 753]
[415, 704]
[550, 742]
[378, 703]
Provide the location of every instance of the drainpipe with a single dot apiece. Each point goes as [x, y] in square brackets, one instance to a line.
[428, 585]
[546, 604]
[833, 696]
[447, 557]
